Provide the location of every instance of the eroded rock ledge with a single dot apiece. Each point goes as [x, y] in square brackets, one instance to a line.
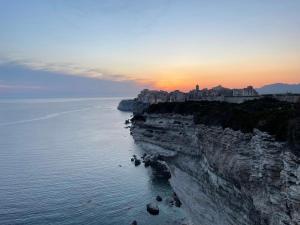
[224, 176]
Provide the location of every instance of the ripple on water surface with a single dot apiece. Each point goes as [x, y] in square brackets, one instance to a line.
[59, 164]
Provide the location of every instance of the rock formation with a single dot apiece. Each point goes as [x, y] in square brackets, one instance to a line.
[132, 105]
[152, 208]
[224, 176]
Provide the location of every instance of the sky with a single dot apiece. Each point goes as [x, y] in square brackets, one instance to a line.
[117, 47]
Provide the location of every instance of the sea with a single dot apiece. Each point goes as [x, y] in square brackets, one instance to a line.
[67, 161]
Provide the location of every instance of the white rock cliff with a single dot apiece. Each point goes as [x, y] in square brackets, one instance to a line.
[222, 176]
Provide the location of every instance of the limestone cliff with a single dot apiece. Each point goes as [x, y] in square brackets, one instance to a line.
[132, 105]
[223, 176]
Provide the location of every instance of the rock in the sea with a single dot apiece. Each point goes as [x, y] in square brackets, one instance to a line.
[158, 198]
[177, 202]
[137, 162]
[134, 222]
[132, 159]
[153, 209]
[159, 167]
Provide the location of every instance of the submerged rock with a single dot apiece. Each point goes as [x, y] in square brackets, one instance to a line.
[134, 222]
[158, 198]
[153, 209]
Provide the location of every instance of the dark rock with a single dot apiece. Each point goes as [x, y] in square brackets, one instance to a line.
[160, 170]
[158, 198]
[137, 162]
[159, 167]
[132, 159]
[134, 222]
[127, 121]
[176, 200]
[153, 209]
[147, 163]
[127, 105]
[138, 118]
[132, 105]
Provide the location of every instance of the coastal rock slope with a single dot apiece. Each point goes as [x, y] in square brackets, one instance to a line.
[132, 105]
[221, 175]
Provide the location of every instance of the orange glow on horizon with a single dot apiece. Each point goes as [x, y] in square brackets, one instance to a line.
[241, 75]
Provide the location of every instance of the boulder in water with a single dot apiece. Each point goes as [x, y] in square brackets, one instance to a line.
[176, 200]
[153, 209]
[158, 198]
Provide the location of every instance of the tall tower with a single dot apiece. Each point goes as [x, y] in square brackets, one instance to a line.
[197, 87]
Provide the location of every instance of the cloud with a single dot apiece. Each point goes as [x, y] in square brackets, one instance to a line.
[4, 86]
[27, 79]
[66, 68]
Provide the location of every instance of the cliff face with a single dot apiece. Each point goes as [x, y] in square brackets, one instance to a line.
[224, 176]
[126, 105]
[132, 105]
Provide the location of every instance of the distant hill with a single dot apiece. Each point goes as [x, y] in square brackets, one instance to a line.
[279, 88]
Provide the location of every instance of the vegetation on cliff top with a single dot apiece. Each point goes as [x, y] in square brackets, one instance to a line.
[280, 119]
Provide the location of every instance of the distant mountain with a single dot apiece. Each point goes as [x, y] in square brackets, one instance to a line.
[279, 88]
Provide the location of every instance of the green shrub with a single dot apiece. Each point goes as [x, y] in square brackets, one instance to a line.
[278, 118]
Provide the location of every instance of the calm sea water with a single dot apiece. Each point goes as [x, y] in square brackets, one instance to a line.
[67, 161]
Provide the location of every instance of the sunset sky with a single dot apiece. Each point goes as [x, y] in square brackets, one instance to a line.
[162, 44]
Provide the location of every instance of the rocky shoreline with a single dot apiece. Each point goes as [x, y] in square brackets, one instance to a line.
[160, 171]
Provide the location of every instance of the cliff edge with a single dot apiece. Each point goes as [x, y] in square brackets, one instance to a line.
[225, 170]
[132, 105]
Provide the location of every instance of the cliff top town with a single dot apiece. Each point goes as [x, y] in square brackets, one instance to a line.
[217, 93]
[148, 97]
